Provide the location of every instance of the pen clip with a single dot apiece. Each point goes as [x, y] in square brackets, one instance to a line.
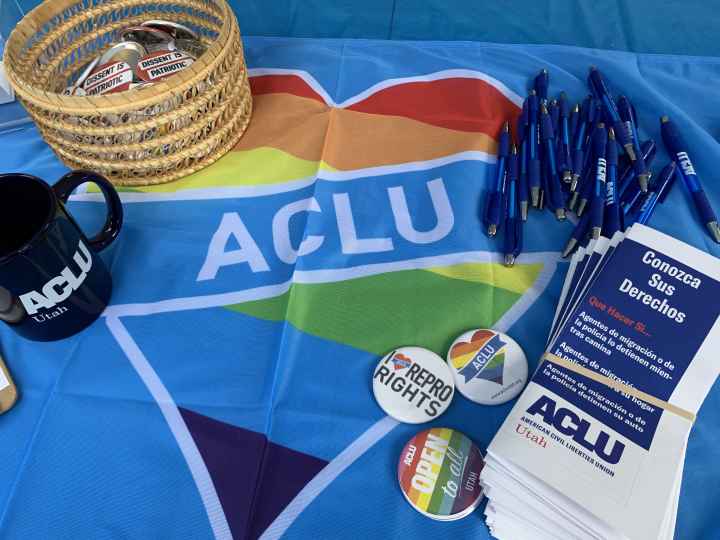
[670, 183]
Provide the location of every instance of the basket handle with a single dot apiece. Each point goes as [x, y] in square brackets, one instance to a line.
[110, 230]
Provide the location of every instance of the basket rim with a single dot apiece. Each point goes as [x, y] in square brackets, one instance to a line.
[163, 161]
[141, 98]
[171, 138]
[205, 162]
[211, 158]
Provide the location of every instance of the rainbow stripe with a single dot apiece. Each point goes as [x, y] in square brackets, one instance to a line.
[462, 353]
[297, 130]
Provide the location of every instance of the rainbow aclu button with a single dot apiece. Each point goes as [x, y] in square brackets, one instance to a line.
[489, 367]
[439, 474]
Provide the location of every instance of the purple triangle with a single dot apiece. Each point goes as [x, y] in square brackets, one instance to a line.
[493, 374]
[255, 479]
[285, 473]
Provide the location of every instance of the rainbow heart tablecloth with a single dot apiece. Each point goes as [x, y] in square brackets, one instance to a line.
[226, 390]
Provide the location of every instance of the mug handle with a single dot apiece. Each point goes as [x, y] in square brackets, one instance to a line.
[67, 184]
[11, 311]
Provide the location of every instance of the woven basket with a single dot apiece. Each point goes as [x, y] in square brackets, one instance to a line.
[145, 136]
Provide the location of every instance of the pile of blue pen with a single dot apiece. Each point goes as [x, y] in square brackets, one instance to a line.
[588, 160]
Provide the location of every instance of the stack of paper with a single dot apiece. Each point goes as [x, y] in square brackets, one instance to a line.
[594, 447]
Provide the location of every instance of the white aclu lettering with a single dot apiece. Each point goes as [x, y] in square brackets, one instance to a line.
[601, 169]
[351, 241]
[59, 288]
[610, 193]
[685, 163]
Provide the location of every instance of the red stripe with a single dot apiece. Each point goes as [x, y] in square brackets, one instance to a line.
[405, 472]
[283, 84]
[460, 103]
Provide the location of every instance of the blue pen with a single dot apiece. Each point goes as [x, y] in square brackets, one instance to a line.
[584, 193]
[542, 81]
[541, 157]
[554, 186]
[631, 211]
[578, 234]
[595, 116]
[583, 188]
[554, 110]
[542, 153]
[658, 192]
[533, 155]
[601, 92]
[543, 181]
[626, 110]
[564, 158]
[495, 206]
[574, 123]
[540, 85]
[678, 149]
[624, 135]
[629, 121]
[586, 186]
[597, 204]
[575, 119]
[513, 226]
[631, 201]
[625, 181]
[611, 218]
[523, 188]
[579, 146]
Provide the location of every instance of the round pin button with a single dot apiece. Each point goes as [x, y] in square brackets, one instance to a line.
[489, 367]
[439, 474]
[413, 385]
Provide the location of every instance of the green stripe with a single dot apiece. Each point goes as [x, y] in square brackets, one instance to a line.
[376, 313]
[465, 452]
[439, 499]
[442, 503]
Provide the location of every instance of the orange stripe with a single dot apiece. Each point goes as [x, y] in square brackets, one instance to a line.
[357, 140]
[290, 116]
[293, 124]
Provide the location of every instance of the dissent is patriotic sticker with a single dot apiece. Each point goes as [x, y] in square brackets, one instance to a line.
[439, 474]
[109, 78]
[413, 385]
[489, 367]
[161, 64]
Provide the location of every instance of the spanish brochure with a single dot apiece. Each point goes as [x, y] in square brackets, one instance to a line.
[594, 447]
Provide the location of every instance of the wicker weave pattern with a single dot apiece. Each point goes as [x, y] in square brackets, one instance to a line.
[146, 136]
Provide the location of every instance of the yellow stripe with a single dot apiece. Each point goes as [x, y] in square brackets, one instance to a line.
[517, 279]
[324, 166]
[261, 166]
[423, 501]
[461, 361]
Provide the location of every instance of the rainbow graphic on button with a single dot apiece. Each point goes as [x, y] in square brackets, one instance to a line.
[439, 474]
[489, 367]
[482, 356]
